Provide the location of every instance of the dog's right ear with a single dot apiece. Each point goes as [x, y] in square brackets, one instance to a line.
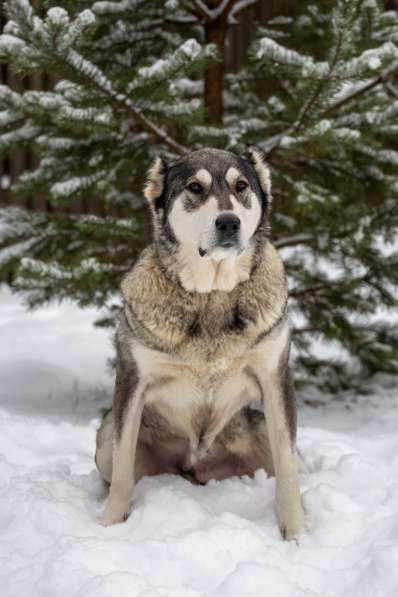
[264, 176]
[155, 182]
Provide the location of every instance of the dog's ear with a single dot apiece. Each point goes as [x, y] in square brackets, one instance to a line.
[155, 181]
[257, 159]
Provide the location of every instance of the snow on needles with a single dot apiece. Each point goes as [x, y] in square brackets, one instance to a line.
[190, 49]
[220, 540]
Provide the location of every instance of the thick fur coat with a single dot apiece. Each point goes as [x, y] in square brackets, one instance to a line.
[203, 385]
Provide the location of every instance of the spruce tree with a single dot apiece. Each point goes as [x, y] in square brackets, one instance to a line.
[135, 79]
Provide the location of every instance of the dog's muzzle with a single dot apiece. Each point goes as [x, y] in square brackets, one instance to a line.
[225, 234]
[227, 230]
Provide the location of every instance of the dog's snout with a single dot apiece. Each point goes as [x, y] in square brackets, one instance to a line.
[227, 225]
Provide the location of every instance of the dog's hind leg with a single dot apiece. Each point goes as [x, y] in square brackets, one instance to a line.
[104, 446]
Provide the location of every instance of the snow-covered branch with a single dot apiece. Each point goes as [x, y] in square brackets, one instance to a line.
[391, 89]
[228, 9]
[91, 71]
[199, 8]
[363, 88]
[354, 92]
[307, 330]
[290, 241]
[238, 8]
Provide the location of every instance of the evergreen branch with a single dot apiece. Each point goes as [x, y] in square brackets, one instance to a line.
[154, 128]
[238, 8]
[380, 289]
[89, 71]
[274, 142]
[330, 164]
[308, 106]
[321, 85]
[307, 330]
[200, 9]
[389, 212]
[223, 8]
[358, 91]
[309, 290]
[291, 241]
[181, 20]
[226, 9]
[390, 89]
[354, 282]
[299, 121]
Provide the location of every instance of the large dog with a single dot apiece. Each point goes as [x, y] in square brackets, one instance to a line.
[203, 339]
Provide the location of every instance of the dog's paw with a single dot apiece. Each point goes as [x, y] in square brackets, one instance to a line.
[291, 532]
[293, 525]
[200, 451]
[112, 516]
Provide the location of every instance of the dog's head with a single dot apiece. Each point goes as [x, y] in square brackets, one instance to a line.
[210, 203]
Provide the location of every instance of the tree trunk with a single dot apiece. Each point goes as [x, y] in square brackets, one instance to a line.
[215, 32]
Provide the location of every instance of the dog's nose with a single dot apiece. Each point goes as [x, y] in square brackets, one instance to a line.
[227, 225]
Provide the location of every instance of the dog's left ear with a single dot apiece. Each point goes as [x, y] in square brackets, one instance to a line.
[257, 159]
[155, 181]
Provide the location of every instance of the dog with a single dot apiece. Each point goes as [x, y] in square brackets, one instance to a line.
[203, 385]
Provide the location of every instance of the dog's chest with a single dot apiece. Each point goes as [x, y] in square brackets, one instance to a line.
[215, 336]
[215, 330]
[198, 387]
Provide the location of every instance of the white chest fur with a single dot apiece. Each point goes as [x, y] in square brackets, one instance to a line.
[199, 398]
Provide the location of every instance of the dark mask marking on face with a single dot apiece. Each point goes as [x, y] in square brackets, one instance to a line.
[221, 191]
[217, 163]
[192, 202]
[244, 197]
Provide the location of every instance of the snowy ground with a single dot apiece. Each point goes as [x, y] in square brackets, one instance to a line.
[181, 540]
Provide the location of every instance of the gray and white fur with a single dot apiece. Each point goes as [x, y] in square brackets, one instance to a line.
[202, 339]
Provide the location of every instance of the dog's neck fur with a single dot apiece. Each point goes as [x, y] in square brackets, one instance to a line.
[201, 274]
[171, 313]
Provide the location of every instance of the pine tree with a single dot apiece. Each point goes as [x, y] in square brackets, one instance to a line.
[135, 79]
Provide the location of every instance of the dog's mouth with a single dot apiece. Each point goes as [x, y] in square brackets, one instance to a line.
[226, 245]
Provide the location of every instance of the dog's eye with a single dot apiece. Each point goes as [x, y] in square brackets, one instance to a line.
[241, 185]
[195, 188]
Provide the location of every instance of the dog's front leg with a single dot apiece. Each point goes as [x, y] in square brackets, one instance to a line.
[277, 389]
[282, 441]
[124, 448]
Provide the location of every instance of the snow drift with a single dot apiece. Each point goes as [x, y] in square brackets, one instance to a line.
[221, 540]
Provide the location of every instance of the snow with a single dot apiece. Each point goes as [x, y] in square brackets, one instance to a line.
[66, 188]
[5, 182]
[267, 48]
[237, 8]
[58, 16]
[24, 133]
[51, 359]
[181, 540]
[10, 43]
[374, 63]
[106, 8]
[189, 50]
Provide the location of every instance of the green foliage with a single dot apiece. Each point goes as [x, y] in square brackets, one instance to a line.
[317, 94]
